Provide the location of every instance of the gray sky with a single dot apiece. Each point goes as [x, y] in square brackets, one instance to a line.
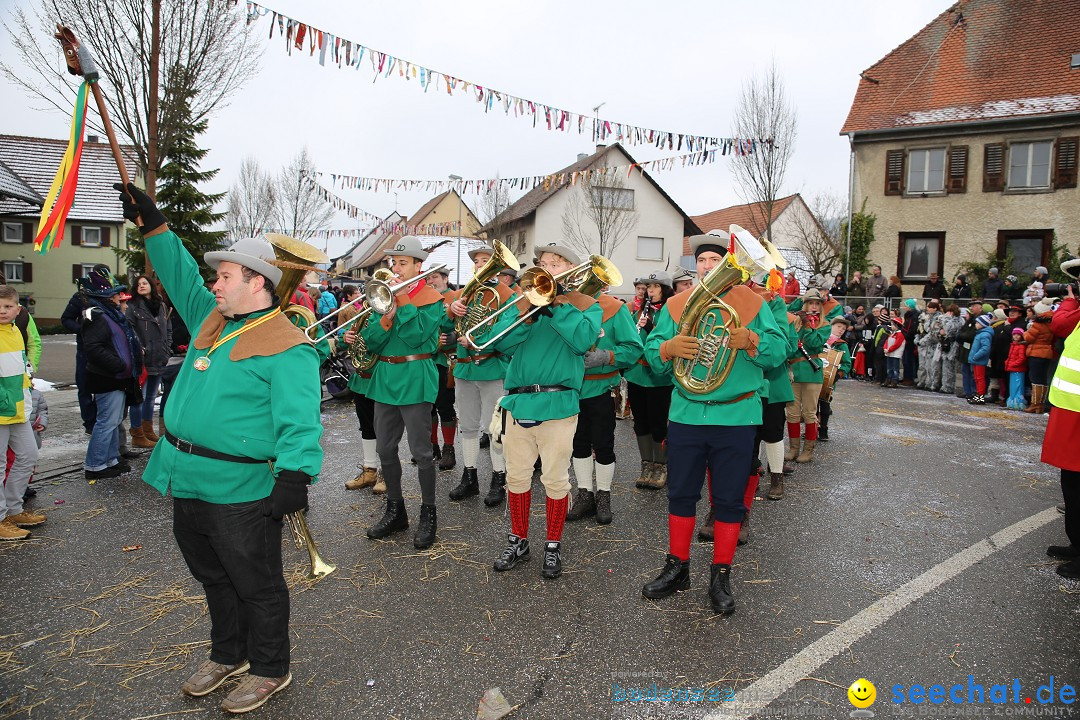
[675, 66]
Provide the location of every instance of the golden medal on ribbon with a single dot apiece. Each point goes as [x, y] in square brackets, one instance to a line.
[201, 363]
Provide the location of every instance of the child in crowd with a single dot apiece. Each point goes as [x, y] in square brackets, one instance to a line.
[15, 430]
[894, 350]
[1016, 366]
[979, 357]
[39, 420]
[881, 334]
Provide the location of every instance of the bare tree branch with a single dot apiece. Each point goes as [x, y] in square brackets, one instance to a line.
[599, 213]
[252, 202]
[301, 211]
[819, 233]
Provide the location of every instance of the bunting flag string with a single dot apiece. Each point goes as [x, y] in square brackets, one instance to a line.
[350, 54]
[394, 227]
[53, 216]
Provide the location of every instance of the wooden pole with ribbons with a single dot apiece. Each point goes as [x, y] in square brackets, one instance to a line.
[80, 62]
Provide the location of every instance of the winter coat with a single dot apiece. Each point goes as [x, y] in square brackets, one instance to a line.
[1011, 292]
[966, 336]
[992, 288]
[1017, 359]
[111, 362]
[327, 304]
[856, 289]
[999, 348]
[961, 291]
[951, 324]
[931, 334]
[935, 290]
[1039, 339]
[980, 347]
[894, 346]
[875, 286]
[791, 289]
[153, 331]
[840, 290]
[71, 318]
[893, 291]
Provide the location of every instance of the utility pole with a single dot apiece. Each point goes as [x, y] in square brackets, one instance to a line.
[457, 270]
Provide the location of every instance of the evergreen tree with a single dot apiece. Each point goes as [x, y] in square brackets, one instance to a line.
[189, 211]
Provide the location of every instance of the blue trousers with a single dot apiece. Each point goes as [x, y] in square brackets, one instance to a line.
[145, 410]
[726, 451]
[969, 380]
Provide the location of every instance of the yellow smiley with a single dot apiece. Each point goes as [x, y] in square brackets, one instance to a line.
[862, 693]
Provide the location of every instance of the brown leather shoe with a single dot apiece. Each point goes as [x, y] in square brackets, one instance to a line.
[366, 478]
[253, 691]
[147, 428]
[139, 440]
[209, 675]
[26, 519]
[11, 531]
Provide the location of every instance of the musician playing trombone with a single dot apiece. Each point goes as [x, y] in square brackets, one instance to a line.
[370, 474]
[241, 447]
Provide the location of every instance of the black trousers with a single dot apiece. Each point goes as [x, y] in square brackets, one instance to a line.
[234, 551]
[443, 409]
[725, 451]
[1070, 490]
[650, 406]
[596, 429]
[365, 413]
[824, 411]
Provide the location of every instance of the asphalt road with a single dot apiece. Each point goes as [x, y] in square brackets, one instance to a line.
[908, 482]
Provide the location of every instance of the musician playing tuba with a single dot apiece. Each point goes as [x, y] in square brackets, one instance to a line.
[247, 394]
[714, 410]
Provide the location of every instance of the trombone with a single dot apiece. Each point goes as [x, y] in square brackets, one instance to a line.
[379, 296]
[539, 287]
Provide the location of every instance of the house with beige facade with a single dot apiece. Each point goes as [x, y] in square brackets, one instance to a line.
[95, 225]
[656, 227]
[965, 140]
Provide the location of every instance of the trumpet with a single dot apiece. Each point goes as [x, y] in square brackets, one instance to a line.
[379, 297]
[319, 567]
[540, 287]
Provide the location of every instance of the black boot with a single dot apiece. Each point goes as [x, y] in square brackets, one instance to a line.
[1064, 552]
[723, 602]
[448, 461]
[823, 432]
[603, 507]
[436, 453]
[485, 441]
[674, 576]
[394, 519]
[468, 486]
[552, 560]
[517, 550]
[425, 530]
[583, 505]
[1070, 570]
[497, 491]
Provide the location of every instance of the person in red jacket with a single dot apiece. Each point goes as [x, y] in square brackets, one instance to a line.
[1040, 353]
[1016, 366]
[791, 287]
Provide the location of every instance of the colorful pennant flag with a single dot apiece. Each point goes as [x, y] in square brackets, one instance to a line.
[53, 216]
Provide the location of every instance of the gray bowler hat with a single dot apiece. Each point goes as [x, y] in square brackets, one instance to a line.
[561, 250]
[657, 278]
[696, 241]
[408, 246]
[254, 253]
[481, 249]
[511, 272]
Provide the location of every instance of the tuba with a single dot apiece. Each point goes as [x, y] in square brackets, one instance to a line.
[710, 319]
[481, 300]
[296, 259]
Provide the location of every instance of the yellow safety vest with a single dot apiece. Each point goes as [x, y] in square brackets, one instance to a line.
[1065, 387]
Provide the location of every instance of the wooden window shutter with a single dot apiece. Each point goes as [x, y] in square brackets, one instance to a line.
[76, 272]
[28, 232]
[105, 237]
[994, 167]
[958, 166]
[76, 235]
[27, 272]
[1065, 162]
[894, 172]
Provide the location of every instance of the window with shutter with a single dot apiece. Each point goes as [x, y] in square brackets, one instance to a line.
[13, 232]
[1065, 162]
[958, 161]
[76, 235]
[76, 272]
[993, 167]
[105, 232]
[894, 172]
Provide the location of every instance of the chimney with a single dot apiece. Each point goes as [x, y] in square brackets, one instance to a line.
[600, 146]
[582, 156]
[91, 138]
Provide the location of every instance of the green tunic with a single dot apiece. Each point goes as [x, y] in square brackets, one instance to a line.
[442, 357]
[494, 366]
[641, 373]
[264, 407]
[549, 352]
[778, 381]
[621, 338]
[413, 331]
[737, 400]
[813, 341]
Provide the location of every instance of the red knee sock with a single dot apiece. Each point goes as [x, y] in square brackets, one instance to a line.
[725, 538]
[751, 489]
[556, 517]
[811, 431]
[794, 430]
[519, 512]
[680, 532]
[434, 432]
[449, 429]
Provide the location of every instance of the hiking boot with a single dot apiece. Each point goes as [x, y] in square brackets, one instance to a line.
[147, 428]
[209, 675]
[645, 448]
[823, 433]
[109, 472]
[744, 530]
[468, 486]
[366, 478]
[497, 491]
[584, 505]
[776, 486]
[552, 560]
[447, 461]
[517, 550]
[425, 529]
[139, 440]
[380, 483]
[393, 520]
[723, 602]
[674, 577]
[1070, 570]
[26, 519]
[659, 478]
[603, 507]
[645, 478]
[807, 453]
[253, 691]
[11, 531]
[793, 449]
[1064, 552]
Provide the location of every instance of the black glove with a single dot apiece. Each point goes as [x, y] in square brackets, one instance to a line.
[137, 203]
[289, 494]
[545, 311]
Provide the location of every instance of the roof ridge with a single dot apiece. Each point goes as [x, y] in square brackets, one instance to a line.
[921, 30]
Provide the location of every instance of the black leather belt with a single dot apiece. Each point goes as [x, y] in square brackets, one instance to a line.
[191, 449]
[536, 389]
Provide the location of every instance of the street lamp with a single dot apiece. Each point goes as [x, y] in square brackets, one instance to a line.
[457, 179]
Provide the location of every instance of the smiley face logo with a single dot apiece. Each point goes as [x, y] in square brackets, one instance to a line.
[862, 693]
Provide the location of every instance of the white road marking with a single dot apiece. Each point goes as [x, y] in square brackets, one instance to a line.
[965, 425]
[761, 693]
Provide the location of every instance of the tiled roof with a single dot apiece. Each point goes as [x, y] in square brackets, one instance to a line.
[13, 187]
[750, 216]
[528, 203]
[35, 161]
[978, 60]
[375, 253]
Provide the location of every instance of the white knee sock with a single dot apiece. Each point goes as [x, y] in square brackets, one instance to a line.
[604, 475]
[470, 450]
[775, 454]
[371, 458]
[498, 462]
[583, 470]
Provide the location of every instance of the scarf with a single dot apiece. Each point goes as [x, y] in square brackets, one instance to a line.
[125, 342]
